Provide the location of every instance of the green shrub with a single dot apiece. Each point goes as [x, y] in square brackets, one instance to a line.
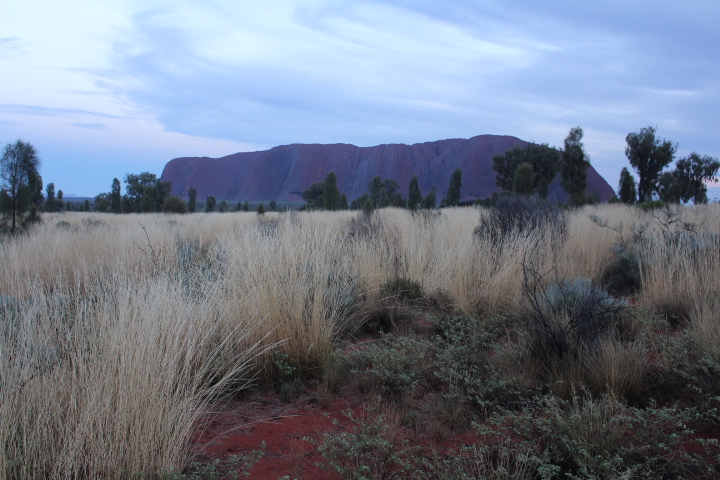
[463, 366]
[392, 367]
[370, 450]
[235, 467]
[288, 381]
[586, 438]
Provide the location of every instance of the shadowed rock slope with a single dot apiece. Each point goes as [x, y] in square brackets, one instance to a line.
[283, 173]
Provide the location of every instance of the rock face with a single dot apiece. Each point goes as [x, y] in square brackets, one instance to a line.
[283, 173]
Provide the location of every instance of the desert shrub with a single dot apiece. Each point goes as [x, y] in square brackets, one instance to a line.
[402, 290]
[470, 383]
[492, 461]
[622, 275]
[288, 382]
[63, 225]
[584, 438]
[237, 466]
[568, 317]
[517, 216]
[394, 311]
[370, 450]
[571, 338]
[688, 374]
[392, 367]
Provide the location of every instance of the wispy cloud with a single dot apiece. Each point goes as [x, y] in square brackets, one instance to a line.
[10, 46]
[91, 126]
[259, 74]
[51, 112]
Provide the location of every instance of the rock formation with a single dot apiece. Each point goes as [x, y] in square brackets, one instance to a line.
[283, 173]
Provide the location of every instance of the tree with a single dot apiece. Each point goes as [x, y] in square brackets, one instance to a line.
[544, 159]
[261, 208]
[150, 200]
[453, 195]
[669, 188]
[19, 179]
[524, 181]
[390, 197]
[359, 203]
[431, 199]
[50, 197]
[210, 204]
[102, 202]
[135, 190]
[246, 206]
[331, 194]
[126, 205]
[343, 205]
[192, 199]
[415, 196]
[573, 166]
[115, 197]
[174, 204]
[315, 196]
[648, 156]
[376, 191]
[223, 206]
[687, 181]
[273, 205]
[627, 191]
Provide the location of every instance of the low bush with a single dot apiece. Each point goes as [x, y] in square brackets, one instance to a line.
[371, 450]
[571, 337]
[394, 311]
[392, 367]
[518, 215]
[622, 275]
[584, 438]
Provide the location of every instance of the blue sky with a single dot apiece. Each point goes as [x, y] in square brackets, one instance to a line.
[107, 88]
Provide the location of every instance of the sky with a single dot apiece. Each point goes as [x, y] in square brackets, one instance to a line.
[102, 89]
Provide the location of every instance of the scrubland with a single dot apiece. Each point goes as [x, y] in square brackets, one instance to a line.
[581, 344]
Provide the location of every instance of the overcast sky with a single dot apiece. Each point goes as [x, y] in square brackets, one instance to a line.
[105, 88]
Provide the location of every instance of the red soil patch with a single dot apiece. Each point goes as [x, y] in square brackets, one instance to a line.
[239, 427]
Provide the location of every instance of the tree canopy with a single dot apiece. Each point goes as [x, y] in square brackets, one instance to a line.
[146, 192]
[21, 186]
[627, 190]
[687, 181]
[453, 195]
[648, 155]
[544, 160]
[573, 166]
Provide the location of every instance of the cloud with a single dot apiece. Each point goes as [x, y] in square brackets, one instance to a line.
[259, 74]
[91, 126]
[50, 112]
[10, 46]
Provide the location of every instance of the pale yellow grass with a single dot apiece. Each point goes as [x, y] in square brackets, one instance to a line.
[129, 323]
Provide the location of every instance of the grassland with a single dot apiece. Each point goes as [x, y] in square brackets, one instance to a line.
[565, 332]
